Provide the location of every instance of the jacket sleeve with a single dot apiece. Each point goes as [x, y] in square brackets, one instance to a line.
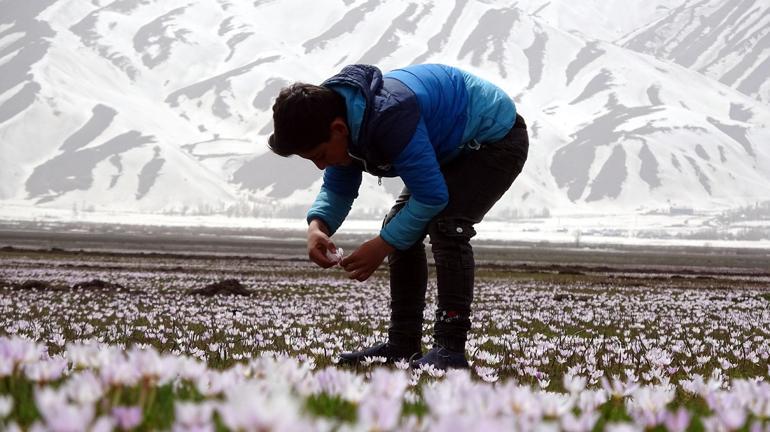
[339, 190]
[418, 168]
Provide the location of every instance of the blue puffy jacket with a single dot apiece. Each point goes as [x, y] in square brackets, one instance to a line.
[408, 123]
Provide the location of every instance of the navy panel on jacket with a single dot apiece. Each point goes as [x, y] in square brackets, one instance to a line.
[389, 121]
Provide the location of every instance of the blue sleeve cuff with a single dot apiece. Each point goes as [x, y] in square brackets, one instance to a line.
[408, 226]
[332, 208]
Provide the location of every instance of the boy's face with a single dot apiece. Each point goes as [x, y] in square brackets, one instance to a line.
[334, 151]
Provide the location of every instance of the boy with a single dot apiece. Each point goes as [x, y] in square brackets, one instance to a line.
[457, 143]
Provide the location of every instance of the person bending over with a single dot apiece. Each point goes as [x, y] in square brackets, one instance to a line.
[457, 143]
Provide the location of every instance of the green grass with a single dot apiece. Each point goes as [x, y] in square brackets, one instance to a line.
[334, 407]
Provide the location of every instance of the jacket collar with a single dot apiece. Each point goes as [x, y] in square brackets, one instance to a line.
[368, 80]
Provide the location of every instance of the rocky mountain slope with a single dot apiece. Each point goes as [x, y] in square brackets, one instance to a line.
[164, 106]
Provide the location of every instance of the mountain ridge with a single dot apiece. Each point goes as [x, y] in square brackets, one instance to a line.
[165, 106]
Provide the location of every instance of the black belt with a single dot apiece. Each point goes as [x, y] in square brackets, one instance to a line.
[519, 122]
[475, 145]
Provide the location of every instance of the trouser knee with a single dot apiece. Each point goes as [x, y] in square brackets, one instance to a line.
[450, 243]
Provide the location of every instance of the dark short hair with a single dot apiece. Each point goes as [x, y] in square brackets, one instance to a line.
[302, 114]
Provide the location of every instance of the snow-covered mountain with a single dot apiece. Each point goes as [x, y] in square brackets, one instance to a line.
[728, 41]
[164, 106]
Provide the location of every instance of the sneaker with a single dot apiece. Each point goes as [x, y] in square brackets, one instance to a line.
[441, 358]
[390, 352]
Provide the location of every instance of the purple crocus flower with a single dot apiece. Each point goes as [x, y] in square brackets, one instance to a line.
[127, 417]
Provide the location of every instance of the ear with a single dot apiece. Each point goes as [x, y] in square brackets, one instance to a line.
[340, 126]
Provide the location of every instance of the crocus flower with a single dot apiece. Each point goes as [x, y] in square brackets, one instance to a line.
[6, 406]
[6, 367]
[387, 384]
[104, 423]
[574, 383]
[583, 423]
[45, 370]
[19, 351]
[622, 427]
[677, 421]
[84, 388]
[190, 416]
[379, 414]
[127, 417]
[60, 415]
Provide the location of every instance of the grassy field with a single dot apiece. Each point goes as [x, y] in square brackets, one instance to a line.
[120, 341]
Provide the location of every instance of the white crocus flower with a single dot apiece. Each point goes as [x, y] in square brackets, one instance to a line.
[647, 404]
[84, 388]
[379, 414]
[6, 406]
[583, 423]
[193, 416]
[60, 415]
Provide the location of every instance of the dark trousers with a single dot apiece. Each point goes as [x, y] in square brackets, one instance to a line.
[476, 180]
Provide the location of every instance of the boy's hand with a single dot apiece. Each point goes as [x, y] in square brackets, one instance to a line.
[365, 260]
[318, 242]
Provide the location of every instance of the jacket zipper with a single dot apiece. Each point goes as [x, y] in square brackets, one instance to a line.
[366, 167]
[359, 159]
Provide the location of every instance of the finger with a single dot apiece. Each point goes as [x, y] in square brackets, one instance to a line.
[363, 276]
[326, 244]
[323, 264]
[353, 274]
[319, 257]
[350, 263]
[351, 258]
[355, 269]
[359, 274]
